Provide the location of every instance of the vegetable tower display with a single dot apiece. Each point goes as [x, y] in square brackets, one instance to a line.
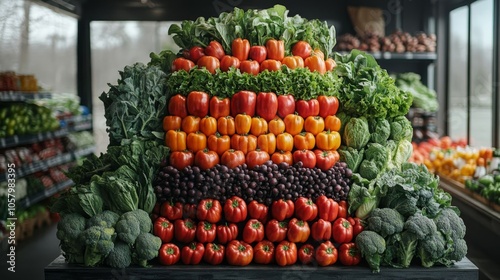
[245, 146]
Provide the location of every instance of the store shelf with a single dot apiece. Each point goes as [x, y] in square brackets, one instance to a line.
[400, 56]
[48, 192]
[51, 162]
[73, 124]
[23, 96]
[59, 269]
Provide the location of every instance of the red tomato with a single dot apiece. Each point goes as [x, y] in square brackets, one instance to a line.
[276, 231]
[192, 253]
[253, 231]
[263, 252]
[302, 49]
[211, 63]
[286, 253]
[257, 53]
[181, 63]
[239, 253]
[195, 53]
[250, 67]
[229, 62]
[169, 254]
[305, 209]
[342, 231]
[214, 254]
[307, 157]
[214, 48]
[227, 232]
[270, 65]
[349, 254]
[306, 254]
[235, 209]
[326, 254]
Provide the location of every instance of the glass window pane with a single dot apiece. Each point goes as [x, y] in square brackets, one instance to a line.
[457, 79]
[481, 73]
[114, 45]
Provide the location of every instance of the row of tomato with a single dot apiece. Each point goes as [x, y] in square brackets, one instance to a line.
[285, 223]
[266, 105]
[254, 59]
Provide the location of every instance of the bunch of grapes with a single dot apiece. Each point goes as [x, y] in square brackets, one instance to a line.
[264, 183]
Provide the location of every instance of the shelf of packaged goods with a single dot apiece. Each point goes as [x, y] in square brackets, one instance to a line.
[50, 162]
[48, 192]
[23, 96]
[73, 124]
[59, 269]
[400, 56]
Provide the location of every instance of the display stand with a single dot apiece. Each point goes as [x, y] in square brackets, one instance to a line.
[59, 270]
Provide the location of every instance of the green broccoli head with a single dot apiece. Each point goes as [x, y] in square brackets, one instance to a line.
[385, 221]
[70, 226]
[380, 130]
[104, 219]
[146, 248]
[372, 246]
[128, 228]
[431, 249]
[420, 225]
[458, 250]
[145, 223]
[450, 224]
[98, 243]
[120, 256]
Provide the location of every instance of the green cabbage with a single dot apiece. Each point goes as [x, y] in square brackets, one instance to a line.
[356, 133]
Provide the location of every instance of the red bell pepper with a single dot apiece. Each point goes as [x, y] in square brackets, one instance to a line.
[209, 210]
[306, 254]
[181, 159]
[286, 105]
[240, 48]
[328, 208]
[243, 102]
[214, 254]
[214, 48]
[286, 253]
[235, 210]
[328, 105]
[171, 211]
[228, 62]
[164, 229]
[198, 103]
[192, 253]
[342, 231]
[307, 157]
[305, 209]
[298, 231]
[282, 209]
[307, 108]
[239, 253]
[257, 53]
[169, 254]
[181, 63]
[263, 252]
[326, 159]
[343, 209]
[220, 107]
[349, 254]
[266, 105]
[275, 49]
[189, 211]
[206, 232]
[326, 254]
[177, 106]
[321, 230]
[184, 230]
[302, 49]
[276, 231]
[357, 224]
[258, 211]
[250, 66]
[227, 232]
[253, 231]
[195, 53]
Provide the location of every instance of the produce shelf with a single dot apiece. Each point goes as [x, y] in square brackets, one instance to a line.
[51, 162]
[400, 56]
[23, 96]
[59, 269]
[33, 199]
[76, 123]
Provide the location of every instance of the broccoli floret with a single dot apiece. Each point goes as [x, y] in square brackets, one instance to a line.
[128, 228]
[145, 223]
[385, 221]
[431, 249]
[104, 219]
[372, 246]
[69, 230]
[450, 224]
[120, 256]
[458, 250]
[420, 225]
[98, 243]
[146, 248]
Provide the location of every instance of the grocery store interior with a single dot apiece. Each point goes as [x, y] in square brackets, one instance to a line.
[57, 58]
